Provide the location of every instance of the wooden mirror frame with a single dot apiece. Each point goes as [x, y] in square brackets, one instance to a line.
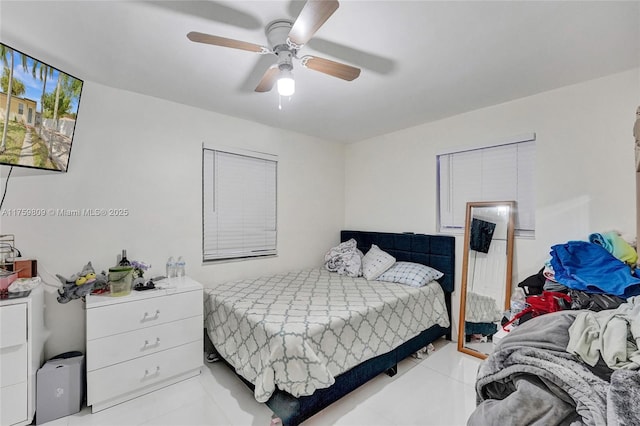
[465, 267]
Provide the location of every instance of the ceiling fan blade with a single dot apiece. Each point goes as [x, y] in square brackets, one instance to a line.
[268, 79]
[335, 69]
[252, 78]
[313, 15]
[226, 42]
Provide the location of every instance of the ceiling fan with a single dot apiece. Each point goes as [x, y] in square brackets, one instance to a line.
[285, 39]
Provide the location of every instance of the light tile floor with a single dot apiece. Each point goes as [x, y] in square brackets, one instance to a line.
[437, 390]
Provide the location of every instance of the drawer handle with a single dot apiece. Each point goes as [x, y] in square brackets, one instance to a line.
[148, 345]
[147, 374]
[146, 316]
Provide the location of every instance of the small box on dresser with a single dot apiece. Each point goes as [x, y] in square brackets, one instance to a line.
[143, 341]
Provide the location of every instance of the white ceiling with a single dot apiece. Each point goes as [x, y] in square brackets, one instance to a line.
[421, 60]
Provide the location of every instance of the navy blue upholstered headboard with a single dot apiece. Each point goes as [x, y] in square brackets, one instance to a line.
[437, 251]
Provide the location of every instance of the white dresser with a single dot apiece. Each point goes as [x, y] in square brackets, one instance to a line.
[21, 354]
[143, 341]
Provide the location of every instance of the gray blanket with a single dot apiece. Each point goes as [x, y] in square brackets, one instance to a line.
[530, 379]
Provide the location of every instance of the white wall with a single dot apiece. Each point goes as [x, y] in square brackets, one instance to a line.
[144, 154]
[584, 175]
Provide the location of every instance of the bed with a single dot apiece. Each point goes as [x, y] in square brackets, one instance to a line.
[302, 340]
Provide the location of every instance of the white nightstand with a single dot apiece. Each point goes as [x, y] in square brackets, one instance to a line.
[143, 341]
[22, 336]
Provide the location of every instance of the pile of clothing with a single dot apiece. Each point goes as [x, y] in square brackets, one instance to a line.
[535, 377]
[597, 274]
[579, 363]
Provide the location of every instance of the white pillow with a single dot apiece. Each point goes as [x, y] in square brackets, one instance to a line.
[375, 262]
[409, 273]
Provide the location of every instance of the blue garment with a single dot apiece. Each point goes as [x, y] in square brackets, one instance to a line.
[586, 266]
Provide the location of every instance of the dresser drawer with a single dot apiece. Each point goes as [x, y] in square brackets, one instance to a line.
[133, 315]
[14, 404]
[13, 325]
[133, 344]
[117, 380]
[13, 367]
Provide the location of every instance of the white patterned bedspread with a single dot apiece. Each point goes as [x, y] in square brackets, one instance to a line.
[299, 330]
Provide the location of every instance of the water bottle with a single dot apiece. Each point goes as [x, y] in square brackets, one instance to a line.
[518, 302]
[171, 267]
[180, 267]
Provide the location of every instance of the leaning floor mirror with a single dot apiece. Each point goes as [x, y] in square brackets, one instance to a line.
[486, 274]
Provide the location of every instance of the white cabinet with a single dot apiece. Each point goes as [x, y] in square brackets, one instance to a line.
[143, 341]
[21, 354]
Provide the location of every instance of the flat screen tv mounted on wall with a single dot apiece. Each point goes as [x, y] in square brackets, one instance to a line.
[38, 111]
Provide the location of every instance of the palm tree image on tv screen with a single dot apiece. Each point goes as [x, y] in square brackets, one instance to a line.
[38, 110]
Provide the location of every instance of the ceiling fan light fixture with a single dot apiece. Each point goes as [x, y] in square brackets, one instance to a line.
[285, 38]
[286, 83]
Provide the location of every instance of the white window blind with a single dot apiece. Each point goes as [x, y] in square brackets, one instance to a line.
[497, 173]
[239, 205]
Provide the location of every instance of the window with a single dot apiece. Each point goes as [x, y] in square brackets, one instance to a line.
[497, 173]
[20, 108]
[239, 204]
